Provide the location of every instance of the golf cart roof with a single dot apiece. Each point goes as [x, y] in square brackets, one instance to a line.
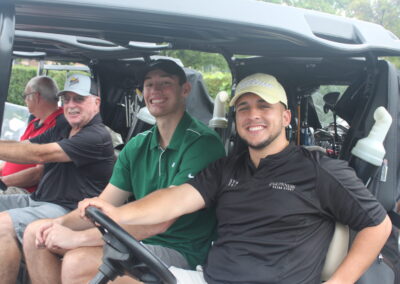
[242, 27]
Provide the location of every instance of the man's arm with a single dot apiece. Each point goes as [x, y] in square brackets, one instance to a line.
[110, 194]
[25, 178]
[56, 236]
[160, 206]
[365, 248]
[70, 231]
[30, 153]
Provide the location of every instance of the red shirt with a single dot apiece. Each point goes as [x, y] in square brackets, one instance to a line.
[32, 130]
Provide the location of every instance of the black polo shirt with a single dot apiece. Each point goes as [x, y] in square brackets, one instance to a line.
[92, 155]
[275, 222]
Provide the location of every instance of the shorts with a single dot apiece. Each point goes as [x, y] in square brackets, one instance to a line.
[169, 256]
[14, 190]
[23, 211]
[188, 276]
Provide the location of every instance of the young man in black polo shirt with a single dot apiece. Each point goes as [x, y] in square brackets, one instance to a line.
[276, 203]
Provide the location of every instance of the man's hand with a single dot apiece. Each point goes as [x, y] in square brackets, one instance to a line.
[99, 203]
[41, 234]
[55, 236]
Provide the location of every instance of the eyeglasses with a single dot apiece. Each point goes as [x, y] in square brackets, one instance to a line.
[76, 99]
[24, 96]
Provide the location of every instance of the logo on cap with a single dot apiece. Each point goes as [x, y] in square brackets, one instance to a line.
[73, 81]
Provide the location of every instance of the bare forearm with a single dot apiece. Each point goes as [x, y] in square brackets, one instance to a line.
[73, 221]
[90, 238]
[93, 237]
[18, 152]
[30, 153]
[24, 178]
[141, 232]
[161, 206]
[364, 250]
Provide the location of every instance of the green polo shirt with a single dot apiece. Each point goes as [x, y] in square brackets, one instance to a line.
[143, 166]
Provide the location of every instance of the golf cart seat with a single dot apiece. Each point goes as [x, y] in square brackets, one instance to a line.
[339, 245]
[337, 251]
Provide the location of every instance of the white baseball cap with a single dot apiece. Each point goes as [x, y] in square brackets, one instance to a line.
[80, 84]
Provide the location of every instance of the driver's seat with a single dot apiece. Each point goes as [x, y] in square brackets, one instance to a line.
[337, 251]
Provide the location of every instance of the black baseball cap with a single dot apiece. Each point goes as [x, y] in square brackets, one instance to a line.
[168, 66]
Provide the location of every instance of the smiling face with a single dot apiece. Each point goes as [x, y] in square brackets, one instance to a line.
[79, 110]
[259, 123]
[163, 94]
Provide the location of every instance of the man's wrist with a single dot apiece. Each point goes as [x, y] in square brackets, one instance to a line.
[59, 220]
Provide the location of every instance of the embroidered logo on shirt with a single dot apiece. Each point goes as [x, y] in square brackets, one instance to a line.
[282, 186]
[173, 165]
[232, 183]
[231, 186]
[190, 176]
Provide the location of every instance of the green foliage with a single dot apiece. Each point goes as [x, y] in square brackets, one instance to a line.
[214, 68]
[217, 82]
[19, 77]
[201, 61]
[59, 77]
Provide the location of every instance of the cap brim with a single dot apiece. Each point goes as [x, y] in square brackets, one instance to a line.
[270, 100]
[168, 66]
[78, 92]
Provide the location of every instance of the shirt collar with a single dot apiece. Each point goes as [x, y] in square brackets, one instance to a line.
[275, 157]
[95, 120]
[48, 119]
[281, 155]
[176, 139]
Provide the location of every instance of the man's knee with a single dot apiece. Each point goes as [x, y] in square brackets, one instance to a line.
[81, 264]
[30, 233]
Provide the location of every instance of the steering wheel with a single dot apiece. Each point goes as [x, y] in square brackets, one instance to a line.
[123, 254]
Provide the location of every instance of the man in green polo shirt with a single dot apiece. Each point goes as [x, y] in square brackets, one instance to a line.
[169, 154]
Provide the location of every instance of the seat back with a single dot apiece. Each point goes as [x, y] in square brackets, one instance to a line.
[337, 251]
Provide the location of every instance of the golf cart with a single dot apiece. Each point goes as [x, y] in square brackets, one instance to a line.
[332, 69]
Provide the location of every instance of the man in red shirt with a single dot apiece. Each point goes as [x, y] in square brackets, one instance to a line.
[40, 98]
